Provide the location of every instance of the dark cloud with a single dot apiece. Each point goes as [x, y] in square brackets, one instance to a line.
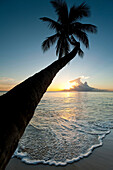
[79, 86]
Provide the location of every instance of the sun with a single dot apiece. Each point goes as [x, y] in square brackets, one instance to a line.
[69, 85]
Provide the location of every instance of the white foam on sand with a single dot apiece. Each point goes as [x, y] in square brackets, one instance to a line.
[25, 158]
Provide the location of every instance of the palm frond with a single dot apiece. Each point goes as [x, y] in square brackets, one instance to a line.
[85, 27]
[66, 47]
[51, 23]
[68, 28]
[82, 36]
[78, 12]
[60, 52]
[58, 46]
[49, 41]
[61, 9]
[62, 47]
[80, 53]
[73, 41]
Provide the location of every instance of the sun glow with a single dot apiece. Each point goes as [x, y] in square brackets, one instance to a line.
[70, 85]
[67, 86]
[63, 86]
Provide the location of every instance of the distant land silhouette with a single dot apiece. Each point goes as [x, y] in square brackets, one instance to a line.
[79, 86]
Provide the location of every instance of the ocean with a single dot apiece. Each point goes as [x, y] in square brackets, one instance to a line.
[66, 127]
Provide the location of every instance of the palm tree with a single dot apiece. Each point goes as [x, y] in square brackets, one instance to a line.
[18, 105]
[67, 28]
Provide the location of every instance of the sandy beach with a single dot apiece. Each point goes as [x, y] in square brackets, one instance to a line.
[100, 159]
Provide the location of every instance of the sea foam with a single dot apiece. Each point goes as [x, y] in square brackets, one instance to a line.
[25, 158]
[66, 127]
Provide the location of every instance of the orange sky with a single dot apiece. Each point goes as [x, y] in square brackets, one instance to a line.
[57, 84]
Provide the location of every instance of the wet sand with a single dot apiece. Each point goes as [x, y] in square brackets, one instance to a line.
[100, 159]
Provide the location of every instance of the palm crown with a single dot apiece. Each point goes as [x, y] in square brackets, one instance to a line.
[67, 28]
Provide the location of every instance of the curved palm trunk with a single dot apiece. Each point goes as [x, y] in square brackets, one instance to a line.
[18, 106]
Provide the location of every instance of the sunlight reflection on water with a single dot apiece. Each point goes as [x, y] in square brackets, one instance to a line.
[67, 126]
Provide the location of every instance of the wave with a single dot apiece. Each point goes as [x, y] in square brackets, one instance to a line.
[66, 130]
[24, 156]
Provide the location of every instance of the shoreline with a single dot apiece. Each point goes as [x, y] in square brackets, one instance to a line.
[100, 159]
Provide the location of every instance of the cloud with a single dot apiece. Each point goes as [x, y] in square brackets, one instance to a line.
[7, 80]
[7, 83]
[78, 80]
[83, 77]
[79, 86]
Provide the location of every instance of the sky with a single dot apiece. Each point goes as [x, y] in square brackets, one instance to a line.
[22, 33]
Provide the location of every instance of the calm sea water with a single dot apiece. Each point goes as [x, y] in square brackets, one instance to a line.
[66, 126]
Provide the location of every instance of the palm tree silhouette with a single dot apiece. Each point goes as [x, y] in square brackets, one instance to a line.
[67, 28]
[18, 104]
